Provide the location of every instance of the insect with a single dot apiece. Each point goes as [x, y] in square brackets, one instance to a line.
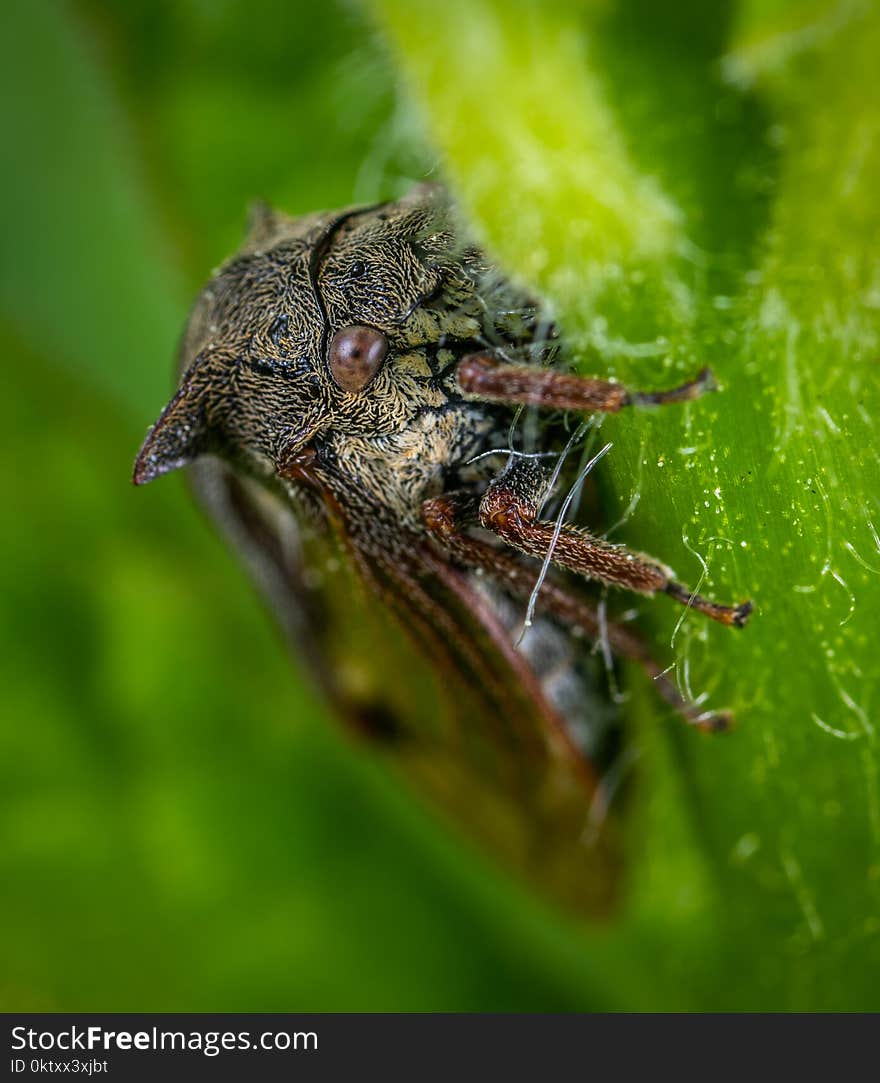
[351, 397]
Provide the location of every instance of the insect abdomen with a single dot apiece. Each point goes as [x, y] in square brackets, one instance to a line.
[570, 677]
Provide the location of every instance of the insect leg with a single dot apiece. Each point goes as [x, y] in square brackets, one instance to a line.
[448, 518]
[509, 508]
[489, 378]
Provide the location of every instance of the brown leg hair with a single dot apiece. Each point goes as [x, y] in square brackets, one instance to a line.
[487, 377]
[509, 508]
[447, 519]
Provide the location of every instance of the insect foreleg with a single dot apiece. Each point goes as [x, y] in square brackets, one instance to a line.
[487, 377]
[509, 508]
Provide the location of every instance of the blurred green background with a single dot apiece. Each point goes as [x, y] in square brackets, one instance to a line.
[182, 827]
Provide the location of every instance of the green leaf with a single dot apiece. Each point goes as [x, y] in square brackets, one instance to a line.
[697, 184]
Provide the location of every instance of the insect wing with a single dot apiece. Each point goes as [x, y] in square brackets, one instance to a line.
[417, 662]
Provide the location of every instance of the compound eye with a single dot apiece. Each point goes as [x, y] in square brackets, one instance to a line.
[356, 355]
